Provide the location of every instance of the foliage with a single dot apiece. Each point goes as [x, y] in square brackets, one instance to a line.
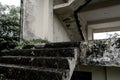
[9, 26]
[9, 21]
[10, 29]
[102, 52]
[7, 43]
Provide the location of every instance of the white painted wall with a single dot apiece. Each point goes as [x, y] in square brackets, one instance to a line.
[98, 73]
[113, 73]
[102, 13]
[39, 22]
[59, 33]
[90, 33]
[103, 27]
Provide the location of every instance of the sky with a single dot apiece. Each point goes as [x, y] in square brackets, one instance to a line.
[10, 2]
[105, 35]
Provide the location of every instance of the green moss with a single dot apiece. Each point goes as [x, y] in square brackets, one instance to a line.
[24, 43]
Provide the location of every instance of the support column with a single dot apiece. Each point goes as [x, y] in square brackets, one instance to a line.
[38, 19]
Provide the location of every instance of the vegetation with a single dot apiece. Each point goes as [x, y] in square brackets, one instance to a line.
[10, 29]
[9, 26]
[103, 52]
[9, 21]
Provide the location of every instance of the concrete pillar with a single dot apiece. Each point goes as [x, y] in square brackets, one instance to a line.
[38, 19]
[90, 33]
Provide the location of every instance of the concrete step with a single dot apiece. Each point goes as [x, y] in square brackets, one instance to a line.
[51, 61]
[54, 45]
[13, 72]
[58, 45]
[48, 62]
[47, 52]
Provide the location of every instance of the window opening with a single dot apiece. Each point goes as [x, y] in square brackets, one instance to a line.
[106, 35]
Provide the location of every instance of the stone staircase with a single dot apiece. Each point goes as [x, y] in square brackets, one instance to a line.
[51, 61]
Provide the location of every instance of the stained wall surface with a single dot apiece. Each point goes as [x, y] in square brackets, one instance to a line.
[39, 21]
[59, 33]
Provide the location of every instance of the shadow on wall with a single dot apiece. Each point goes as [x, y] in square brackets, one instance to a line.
[80, 75]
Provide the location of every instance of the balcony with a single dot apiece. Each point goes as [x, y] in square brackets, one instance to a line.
[101, 52]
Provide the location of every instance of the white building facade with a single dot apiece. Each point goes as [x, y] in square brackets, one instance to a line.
[54, 20]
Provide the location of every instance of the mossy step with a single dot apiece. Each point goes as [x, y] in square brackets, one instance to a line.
[48, 52]
[54, 45]
[48, 62]
[13, 72]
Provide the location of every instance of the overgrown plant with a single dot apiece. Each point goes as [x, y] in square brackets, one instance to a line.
[25, 43]
[9, 21]
[9, 26]
[10, 29]
[101, 52]
[7, 43]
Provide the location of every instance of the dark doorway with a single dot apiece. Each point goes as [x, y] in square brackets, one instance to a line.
[80, 75]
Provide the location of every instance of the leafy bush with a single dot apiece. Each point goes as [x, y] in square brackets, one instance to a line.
[9, 26]
[10, 29]
[7, 43]
[9, 21]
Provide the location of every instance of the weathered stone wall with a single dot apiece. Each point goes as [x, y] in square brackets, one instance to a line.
[101, 52]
